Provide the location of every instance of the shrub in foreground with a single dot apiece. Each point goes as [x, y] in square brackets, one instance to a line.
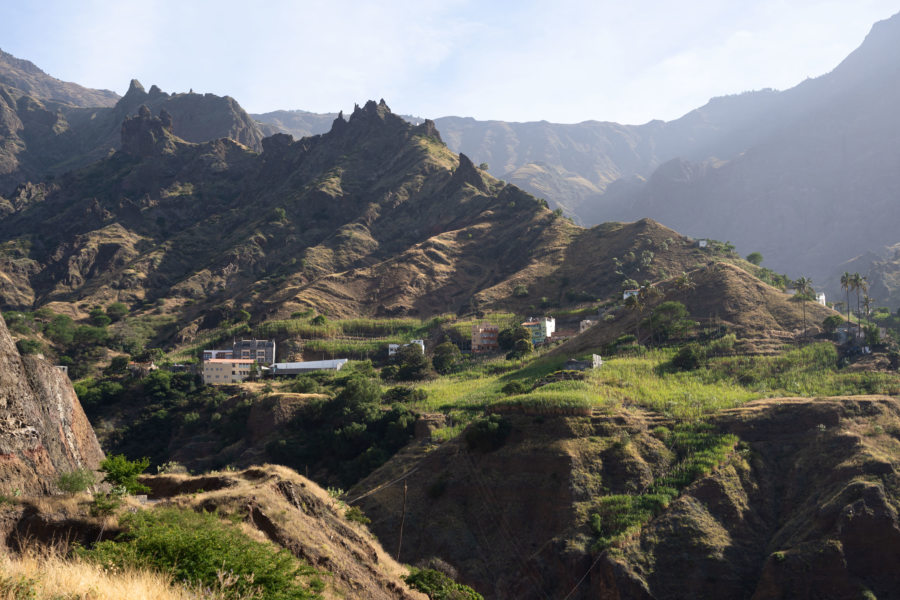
[202, 549]
[439, 586]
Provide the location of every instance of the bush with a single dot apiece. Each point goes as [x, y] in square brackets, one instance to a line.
[116, 311]
[355, 514]
[515, 387]
[689, 357]
[304, 384]
[121, 472]
[447, 358]
[76, 481]
[439, 586]
[508, 337]
[831, 323]
[521, 348]
[198, 549]
[520, 291]
[487, 434]
[28, 347]
[402, 393]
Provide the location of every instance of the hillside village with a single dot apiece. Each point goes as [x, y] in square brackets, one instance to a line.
[238, 365]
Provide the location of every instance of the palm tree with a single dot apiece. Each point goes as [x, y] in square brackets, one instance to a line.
[803, 285]
[856, 282]
[847, 285]
[635, 305]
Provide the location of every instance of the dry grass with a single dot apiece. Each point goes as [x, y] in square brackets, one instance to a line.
[52, 576]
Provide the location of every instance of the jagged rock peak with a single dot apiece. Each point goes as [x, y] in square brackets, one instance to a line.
[467, 173]
[277, 143]
[428, 128]
[156, 92]
[146, 135]
[135, 88]
[339, 124]
[371, 108]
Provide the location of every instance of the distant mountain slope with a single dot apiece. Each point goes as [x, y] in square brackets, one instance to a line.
[819, 190]
[375, 217]
[40, 137]
[25, 76]
[298, 123]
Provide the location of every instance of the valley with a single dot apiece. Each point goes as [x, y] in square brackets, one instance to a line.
[299, 355]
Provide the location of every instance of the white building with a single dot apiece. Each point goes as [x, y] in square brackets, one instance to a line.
[226, 370]
[392, 348]
[629, 293]
[820, 298]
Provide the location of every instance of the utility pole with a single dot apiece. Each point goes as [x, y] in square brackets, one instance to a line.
[402, 520]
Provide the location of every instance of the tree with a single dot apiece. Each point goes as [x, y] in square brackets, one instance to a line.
[61, 329]
[684, 281]
[847, 285]
[116, 311]
[857, 283]
[99, 317]
[123, 473]
[412, 363]
[508, 337]
[803, 285]
[669, 321]
[831, 323]
[755, 258]
[636, 306]
[447, 358]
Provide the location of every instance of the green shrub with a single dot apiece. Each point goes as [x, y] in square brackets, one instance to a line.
[487, 434]
[76, 481]
[28, 347]
[402, 393]
[447, 358]
[121, 472]
[197, 548]
[439, 586]
[355, 514]
[116, 311]
[304, 384]
[515, 387]
[689, 357]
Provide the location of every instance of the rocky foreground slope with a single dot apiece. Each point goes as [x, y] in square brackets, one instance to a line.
[43, 430]
[805, 506]
[272, 502]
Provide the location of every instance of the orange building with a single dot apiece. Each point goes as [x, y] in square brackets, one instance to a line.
[484, 338]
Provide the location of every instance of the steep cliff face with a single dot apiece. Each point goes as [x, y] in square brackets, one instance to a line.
[43, 430]
[805, 506]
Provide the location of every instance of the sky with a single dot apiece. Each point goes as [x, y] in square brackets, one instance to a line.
[563, 61]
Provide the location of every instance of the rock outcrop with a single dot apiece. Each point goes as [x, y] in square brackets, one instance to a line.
[43, 429]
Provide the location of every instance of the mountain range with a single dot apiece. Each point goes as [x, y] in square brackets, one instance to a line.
[806, 176]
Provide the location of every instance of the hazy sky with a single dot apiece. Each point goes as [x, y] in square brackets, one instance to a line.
[560, 60]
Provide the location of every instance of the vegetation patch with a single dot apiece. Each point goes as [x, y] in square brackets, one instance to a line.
[699, 449]
[203, 550]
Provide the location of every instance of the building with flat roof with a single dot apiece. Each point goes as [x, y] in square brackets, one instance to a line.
[211, 354]
[485, 337]
[541, 329]
[262, 351]
[392, 348]
[226, 370]
[297, 368]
